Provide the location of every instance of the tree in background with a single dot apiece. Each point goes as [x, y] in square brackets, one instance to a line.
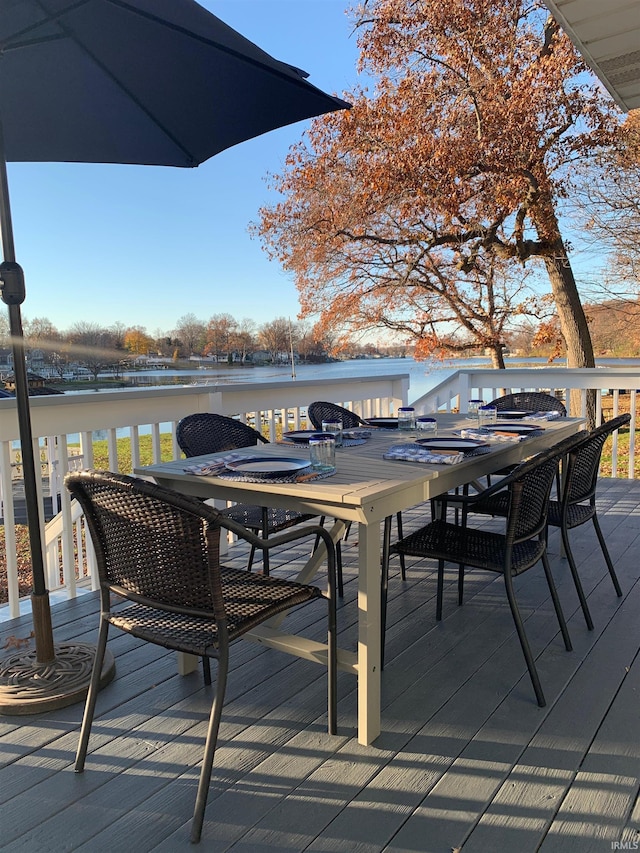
[136, 341]
[93, 347]
[457, 162]
[243, 338]
[219, 333]
[275, 338]
[190, 335]
[608, 209]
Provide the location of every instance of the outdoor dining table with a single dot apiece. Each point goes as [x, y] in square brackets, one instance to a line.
[365, 489]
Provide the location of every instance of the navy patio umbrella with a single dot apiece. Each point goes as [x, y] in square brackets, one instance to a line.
[152, 82]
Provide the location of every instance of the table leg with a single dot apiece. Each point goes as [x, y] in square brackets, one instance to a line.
[186, 663]
[368, 632]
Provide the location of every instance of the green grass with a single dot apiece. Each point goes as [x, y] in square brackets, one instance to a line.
[623, 456]
[101, 453]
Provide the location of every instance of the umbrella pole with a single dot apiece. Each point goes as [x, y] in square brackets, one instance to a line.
[13, 294]
[41, 608]
[52, 676]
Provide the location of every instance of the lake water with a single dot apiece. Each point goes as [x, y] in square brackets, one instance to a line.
[424, 375]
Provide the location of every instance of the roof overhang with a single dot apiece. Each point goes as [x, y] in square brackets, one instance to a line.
[607, 34]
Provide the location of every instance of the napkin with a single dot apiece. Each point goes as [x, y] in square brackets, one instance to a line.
[415, 453]
[490, 435]
[543, 416]
[356, 433]
[214, 466]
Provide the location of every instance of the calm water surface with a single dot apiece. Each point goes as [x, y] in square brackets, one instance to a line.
[424, 375]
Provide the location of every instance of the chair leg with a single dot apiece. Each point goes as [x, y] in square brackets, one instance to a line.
[252, 554]
[332, 669]
[605, 552]
[460, 584]
[576, 577]
[206, 669]
[209, 750]
[440, 590]
[403, 568]
[339, 578]
[556, 603]
[264, 533]
[524, 643]
[92, 695]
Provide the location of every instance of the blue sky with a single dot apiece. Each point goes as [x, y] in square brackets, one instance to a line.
[147, 245]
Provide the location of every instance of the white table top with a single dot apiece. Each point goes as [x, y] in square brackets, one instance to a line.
[365, 487]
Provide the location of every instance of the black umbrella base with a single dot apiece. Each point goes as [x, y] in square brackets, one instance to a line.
[29, 687]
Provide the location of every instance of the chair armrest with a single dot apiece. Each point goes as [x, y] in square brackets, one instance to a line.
[291, 535]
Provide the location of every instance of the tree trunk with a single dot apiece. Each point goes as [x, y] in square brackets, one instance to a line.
[497, 357]
[573, 322]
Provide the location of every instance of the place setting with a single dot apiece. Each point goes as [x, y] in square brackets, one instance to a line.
[502, 432]
[445, 450]
[343, 437]
[260, 469]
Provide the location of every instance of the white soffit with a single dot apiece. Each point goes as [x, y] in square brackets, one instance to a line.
[607, 34]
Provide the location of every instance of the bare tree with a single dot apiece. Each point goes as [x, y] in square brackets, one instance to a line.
[93, 347]
[274, 337]
[191, 334]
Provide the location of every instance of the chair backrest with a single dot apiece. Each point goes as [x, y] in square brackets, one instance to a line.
[529, 486]
[152, 545]
[207, 432]
[584, 462]
[529, 401]
[321, 410]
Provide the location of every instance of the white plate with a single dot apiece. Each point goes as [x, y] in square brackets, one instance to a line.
[267, 466]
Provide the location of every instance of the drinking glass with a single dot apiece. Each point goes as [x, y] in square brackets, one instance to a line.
[427, 427]
[487, 415]
[335, 428]
[473, 407]
[322, 451]
[406, 418]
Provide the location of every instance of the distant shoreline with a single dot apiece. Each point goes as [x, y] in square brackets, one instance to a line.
[424, 375]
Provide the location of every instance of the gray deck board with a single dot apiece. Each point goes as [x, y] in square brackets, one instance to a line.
[465, 760]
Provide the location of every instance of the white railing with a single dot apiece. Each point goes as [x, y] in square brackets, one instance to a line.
[454, 393]
[65, 429]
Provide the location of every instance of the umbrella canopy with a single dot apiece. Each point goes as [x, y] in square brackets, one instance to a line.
[154, 82]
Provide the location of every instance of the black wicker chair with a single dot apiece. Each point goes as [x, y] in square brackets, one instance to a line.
[528, 401]
[207, 432]
[157, 554]
[320, 411]
[578, 503]
[521, 546]
[578, 500]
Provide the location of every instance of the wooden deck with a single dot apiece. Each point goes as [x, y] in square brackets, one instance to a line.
[466, 759]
